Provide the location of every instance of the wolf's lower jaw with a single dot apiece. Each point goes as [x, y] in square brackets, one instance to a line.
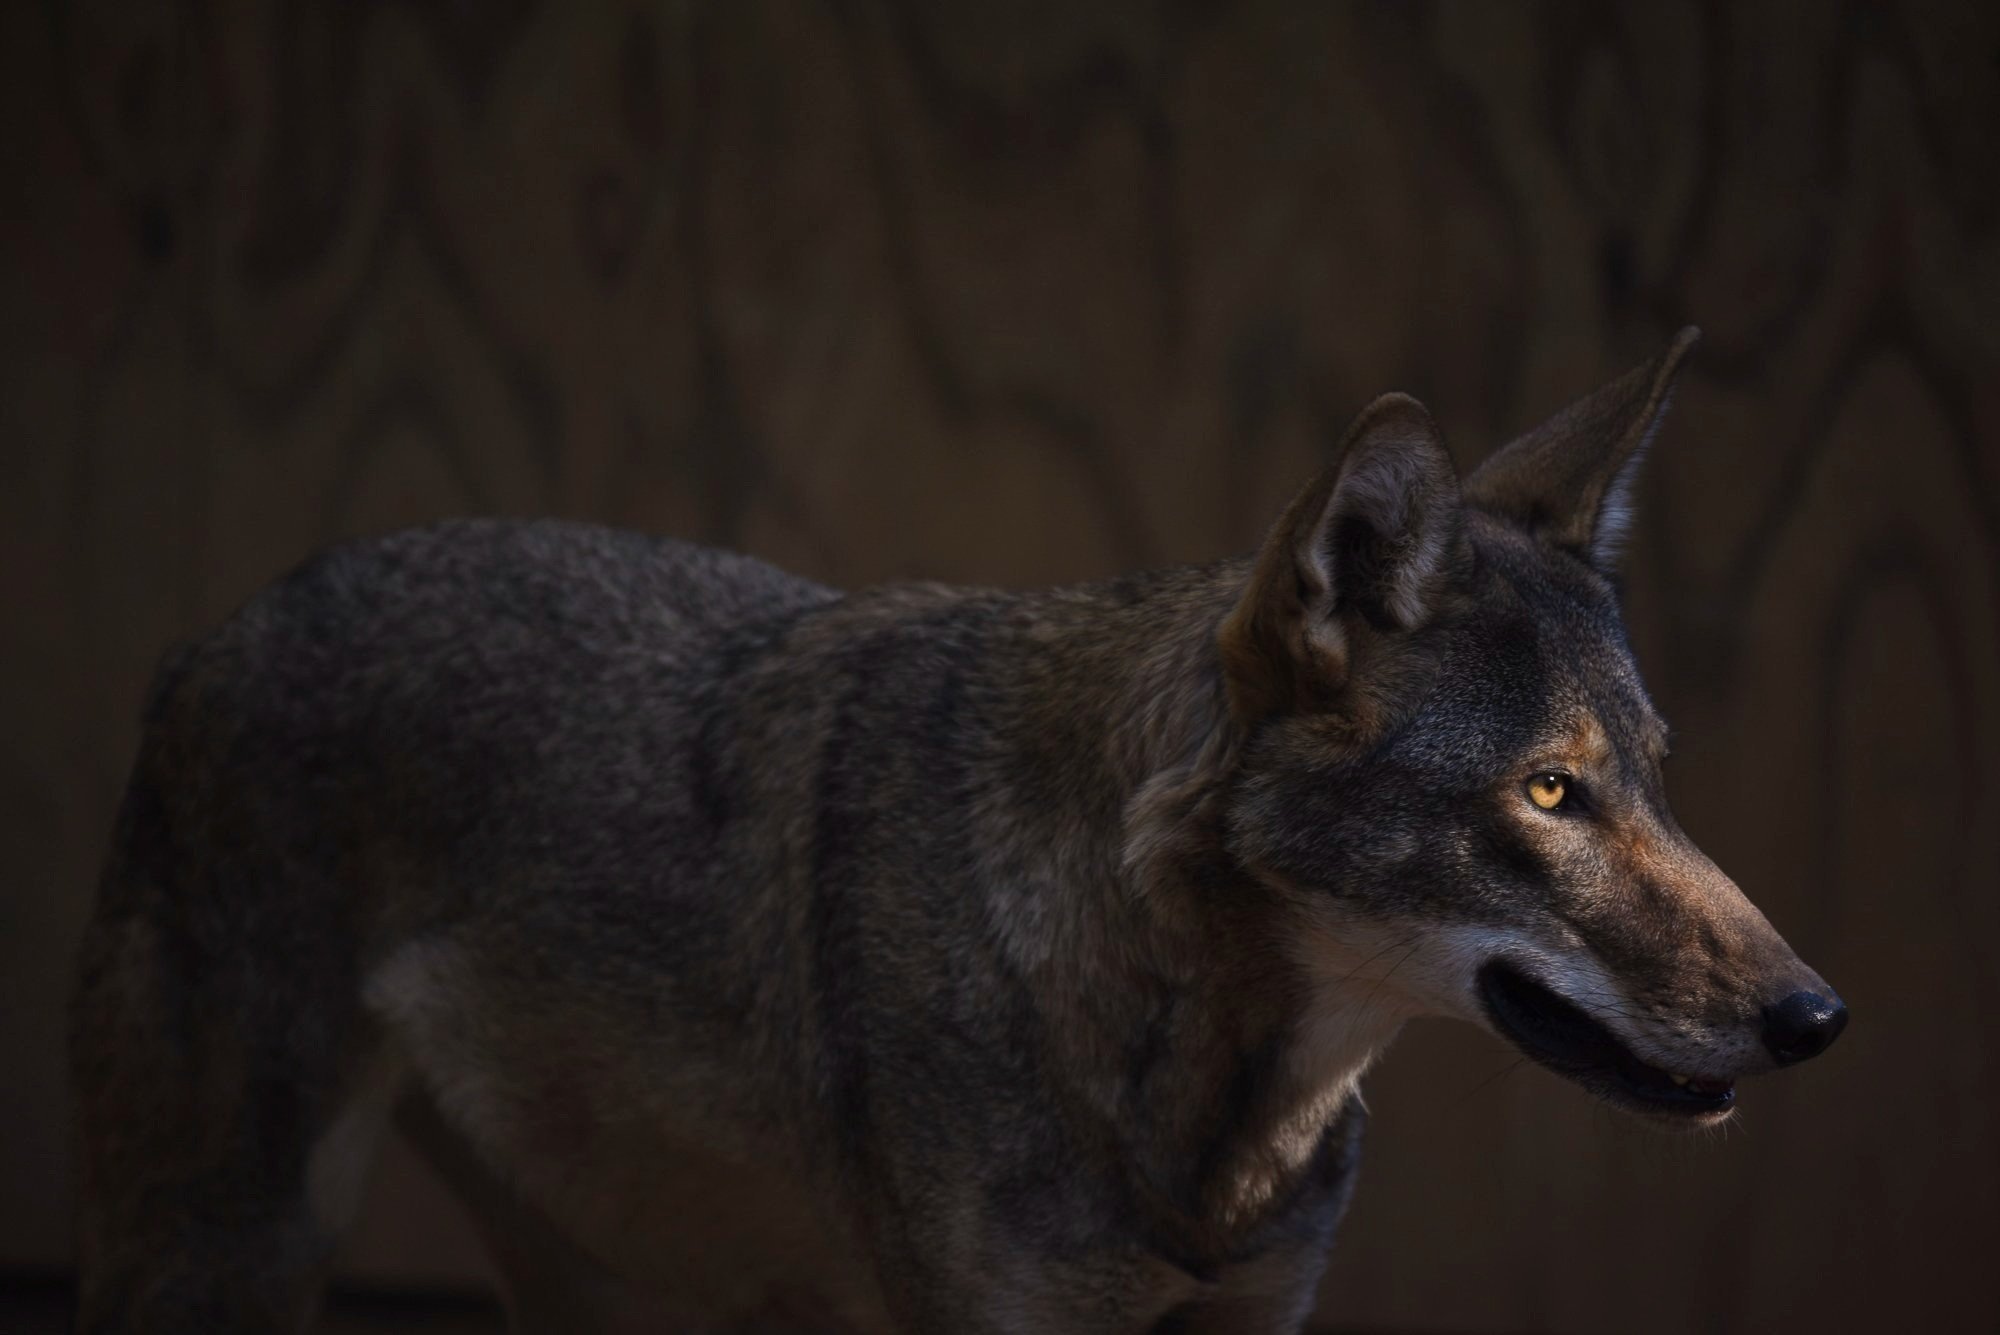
[1563, 1037]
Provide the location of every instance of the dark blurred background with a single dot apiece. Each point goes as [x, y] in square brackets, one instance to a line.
[1036, 292]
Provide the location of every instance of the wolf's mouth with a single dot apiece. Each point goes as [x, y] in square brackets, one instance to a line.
[1561, 1036]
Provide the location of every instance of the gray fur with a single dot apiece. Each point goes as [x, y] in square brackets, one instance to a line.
[753, 956]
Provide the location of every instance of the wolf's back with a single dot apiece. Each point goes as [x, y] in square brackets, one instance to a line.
[524, 694]
[452, 781]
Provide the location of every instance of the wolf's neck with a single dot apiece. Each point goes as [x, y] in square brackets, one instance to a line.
[1133, 665]
[1255, 1038]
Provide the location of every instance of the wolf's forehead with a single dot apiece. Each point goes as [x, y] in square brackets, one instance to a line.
[1553, 655]
[1598, 702]
[1608, 719]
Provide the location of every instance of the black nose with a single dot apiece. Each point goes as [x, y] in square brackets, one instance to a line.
[1803, 1025]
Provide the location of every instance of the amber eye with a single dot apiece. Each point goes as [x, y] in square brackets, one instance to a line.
[1548, 789]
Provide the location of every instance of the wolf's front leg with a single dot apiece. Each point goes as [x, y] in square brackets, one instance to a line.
[1271, 1295]
[1114, 1289]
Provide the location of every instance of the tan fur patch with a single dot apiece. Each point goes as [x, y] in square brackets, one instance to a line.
[1588, 741]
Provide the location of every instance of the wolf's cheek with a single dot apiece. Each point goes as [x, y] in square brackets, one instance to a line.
[1378, 848]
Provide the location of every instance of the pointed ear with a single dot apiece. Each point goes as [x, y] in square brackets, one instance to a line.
[1366, 552]
[1569, 480]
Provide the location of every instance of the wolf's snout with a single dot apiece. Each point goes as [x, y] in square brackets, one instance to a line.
[1803, 1025]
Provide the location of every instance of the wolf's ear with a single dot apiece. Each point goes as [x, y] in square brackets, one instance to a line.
[1366, 551]
[1569, 481]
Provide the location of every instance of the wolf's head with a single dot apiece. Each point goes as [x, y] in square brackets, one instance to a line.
[1448, 766]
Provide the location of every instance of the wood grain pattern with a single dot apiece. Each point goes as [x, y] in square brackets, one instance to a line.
[1013, 293]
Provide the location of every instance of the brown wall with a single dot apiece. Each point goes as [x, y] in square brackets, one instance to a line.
[886, 290]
